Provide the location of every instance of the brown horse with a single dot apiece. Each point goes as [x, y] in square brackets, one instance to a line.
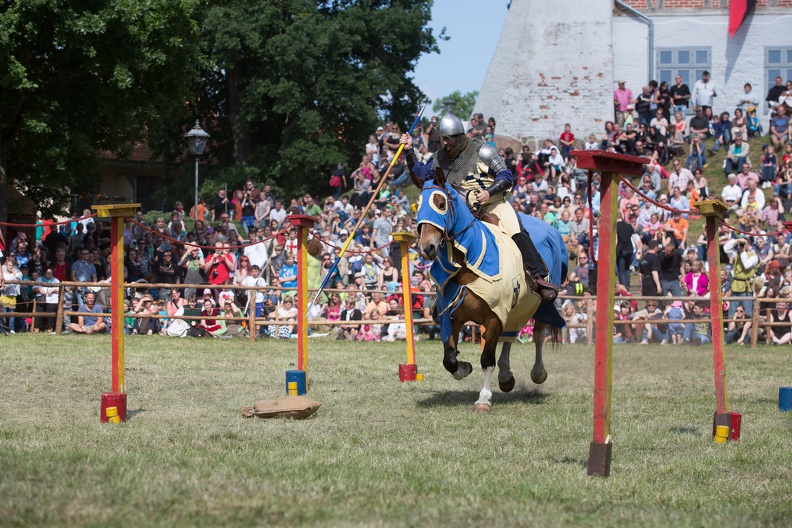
[445, 220]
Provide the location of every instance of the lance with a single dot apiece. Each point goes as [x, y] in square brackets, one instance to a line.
[365, 211]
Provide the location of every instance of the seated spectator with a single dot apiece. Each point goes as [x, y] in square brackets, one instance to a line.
[738, 153]
[234, 327]
[738, 331]
[699, 126]
[286, 312]
[89, 324]
[732, 193]
[698, 333]
[784, 186]
[697, 157]
[143, 324]
[779, 127]
[650, 332]
[210, 323]
[722, 132]
[753, 196]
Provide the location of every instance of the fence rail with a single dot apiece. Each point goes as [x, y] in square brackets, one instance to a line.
[587, 305]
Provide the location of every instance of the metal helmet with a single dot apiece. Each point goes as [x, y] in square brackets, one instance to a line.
[450, 125]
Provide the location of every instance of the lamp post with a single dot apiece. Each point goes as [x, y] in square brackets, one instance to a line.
[196, 140]
[449, 105]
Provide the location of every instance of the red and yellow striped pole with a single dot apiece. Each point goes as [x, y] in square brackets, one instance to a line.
[405, 239]
[609, 164]
[117, 397]
[304, 224]
[714, 210]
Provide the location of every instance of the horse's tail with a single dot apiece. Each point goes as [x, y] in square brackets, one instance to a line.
[555, 336]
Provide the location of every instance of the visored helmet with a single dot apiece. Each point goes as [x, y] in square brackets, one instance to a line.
[450, 125]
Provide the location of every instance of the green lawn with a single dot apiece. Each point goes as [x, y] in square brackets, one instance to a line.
[380, 452]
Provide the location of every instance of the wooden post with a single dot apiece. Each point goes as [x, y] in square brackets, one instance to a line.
[304, 224]
[116, 213]
[59, 315]
[609, 164]
[714, 210]
[405, 239]
[755, 325]
[252, 330]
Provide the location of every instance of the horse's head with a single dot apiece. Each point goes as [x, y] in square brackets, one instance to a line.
[433, 215]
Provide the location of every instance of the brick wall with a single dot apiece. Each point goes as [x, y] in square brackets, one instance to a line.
[546, 72]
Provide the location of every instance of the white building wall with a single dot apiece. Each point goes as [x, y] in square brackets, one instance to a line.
[553, 64]
[734, 60]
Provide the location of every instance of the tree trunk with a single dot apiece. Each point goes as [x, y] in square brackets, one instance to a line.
[242, 141]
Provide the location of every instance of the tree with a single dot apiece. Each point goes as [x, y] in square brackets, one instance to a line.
[464, 104]
[298, 86]
[79, 77]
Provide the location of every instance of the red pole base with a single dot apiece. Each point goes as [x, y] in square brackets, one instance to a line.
[407, 372]
[732, 420]
[113, 399]
[599, 459]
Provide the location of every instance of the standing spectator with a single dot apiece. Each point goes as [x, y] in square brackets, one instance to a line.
[47, 296]
[83, 271]
[193, 263]
[622, 99]
[247, 209]
[10, 292]
[722, 132]
[288, 273]
[220, 205]
[256, 252]
[704, 92]
[779, 127]
[746, 262]
[680, 96]
[649, 271]
[567, 140]
[625, 238]
[338, 178]
[219, 265]
[769, 163]
[382, 231]
[166, 272]
[671, 270]
[643, 107]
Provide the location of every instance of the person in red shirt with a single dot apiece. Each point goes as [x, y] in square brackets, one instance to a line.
[567, 141]
[219, 265]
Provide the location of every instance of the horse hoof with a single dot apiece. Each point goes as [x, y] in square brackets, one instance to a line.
[538, 377]
[508, 385]
[482, 407]
[463, 370]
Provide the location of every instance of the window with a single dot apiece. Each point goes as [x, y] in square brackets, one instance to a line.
[778, 63]
[688, 63]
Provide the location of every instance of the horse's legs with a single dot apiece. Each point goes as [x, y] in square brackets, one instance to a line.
[538, 372]
[505, 376]
[494, 330]
[459, 369]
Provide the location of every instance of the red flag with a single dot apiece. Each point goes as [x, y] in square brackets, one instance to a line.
[737, 11]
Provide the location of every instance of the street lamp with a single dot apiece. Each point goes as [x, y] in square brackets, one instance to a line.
[449, 105]
[196, 140]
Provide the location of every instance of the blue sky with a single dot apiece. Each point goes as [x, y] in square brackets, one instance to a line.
[473, 27]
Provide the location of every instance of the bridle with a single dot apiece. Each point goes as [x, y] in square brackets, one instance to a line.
[447, 237]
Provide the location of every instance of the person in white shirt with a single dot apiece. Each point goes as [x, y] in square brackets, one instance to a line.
[679, 177]
[748, 99]
[256, 252]
[753, 195]
[732, 193]
[704, 92]
[278, 213]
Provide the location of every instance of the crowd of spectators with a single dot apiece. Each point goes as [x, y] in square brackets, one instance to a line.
[243, 238]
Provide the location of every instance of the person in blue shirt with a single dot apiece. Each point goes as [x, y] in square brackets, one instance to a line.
[288, 273]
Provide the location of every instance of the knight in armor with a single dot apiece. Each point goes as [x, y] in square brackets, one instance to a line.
[476, 171]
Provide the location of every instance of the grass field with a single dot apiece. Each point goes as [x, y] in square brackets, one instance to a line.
[380, 452]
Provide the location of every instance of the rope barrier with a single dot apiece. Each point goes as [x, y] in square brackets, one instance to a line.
[731, 227]
[635, 189]
[69, 221]
[318, 236]
[283, 230]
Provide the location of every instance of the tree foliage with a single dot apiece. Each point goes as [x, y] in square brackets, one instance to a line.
[299, 85]
[464, 104]
[286, 88]
[78, 77]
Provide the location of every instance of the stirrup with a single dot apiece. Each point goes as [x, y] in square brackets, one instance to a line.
[546, 290]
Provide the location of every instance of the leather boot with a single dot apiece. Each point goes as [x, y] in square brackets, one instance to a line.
[536, 271]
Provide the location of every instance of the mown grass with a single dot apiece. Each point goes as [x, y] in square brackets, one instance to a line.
[380, 452]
